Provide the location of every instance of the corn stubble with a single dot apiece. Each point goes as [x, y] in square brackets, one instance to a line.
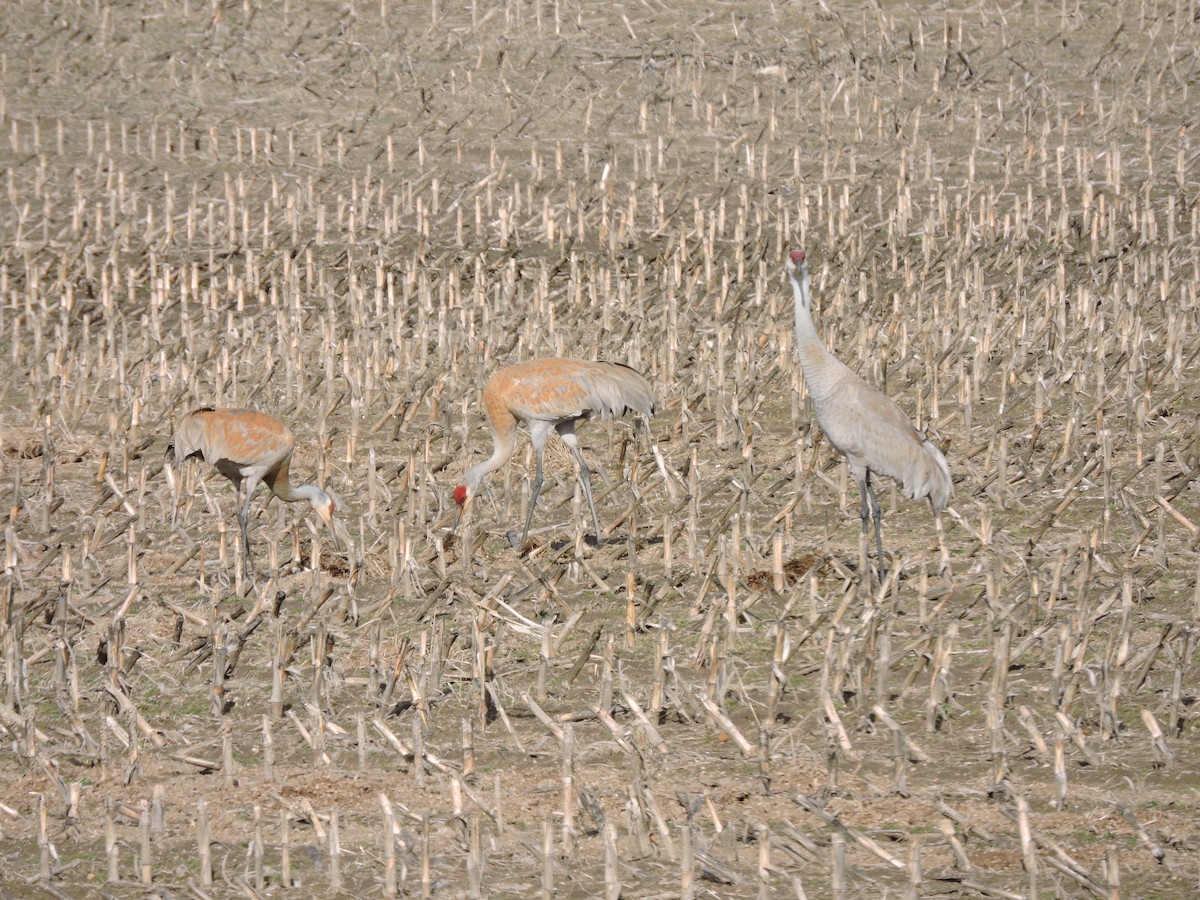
[351, 221]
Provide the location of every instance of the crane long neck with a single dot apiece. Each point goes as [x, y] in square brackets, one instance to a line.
[822, 370]
[503, 444]
[809, 347]
[281, 486]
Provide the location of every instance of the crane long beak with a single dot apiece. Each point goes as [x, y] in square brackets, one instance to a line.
[462, 528]
[338, 531]
[341, 535]
[462, 512]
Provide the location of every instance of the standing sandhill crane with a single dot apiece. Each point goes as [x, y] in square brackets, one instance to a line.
[553, 394]
[249, 446]
[862, 423]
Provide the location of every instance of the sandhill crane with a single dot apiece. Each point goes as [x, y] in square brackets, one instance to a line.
[552, 394]
[247, 447]
[862, 424]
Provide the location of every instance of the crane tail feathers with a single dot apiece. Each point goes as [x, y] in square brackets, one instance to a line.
[617, 388]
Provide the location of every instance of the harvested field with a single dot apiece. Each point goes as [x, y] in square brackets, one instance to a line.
[350, 214]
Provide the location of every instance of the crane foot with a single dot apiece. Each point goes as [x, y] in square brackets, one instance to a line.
[519, 543]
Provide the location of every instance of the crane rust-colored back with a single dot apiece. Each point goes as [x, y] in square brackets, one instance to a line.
[241, 436]
[553, 389]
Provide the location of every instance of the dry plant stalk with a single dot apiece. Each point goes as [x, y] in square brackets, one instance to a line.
[1004, 241]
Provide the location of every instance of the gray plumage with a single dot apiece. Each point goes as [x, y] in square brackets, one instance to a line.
[862, 424]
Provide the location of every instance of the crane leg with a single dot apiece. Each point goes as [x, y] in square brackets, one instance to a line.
[566, 431]
[244, 521]
[864, 513]
[871, 510]
[535, 488]
[877, 515]
[586, 476]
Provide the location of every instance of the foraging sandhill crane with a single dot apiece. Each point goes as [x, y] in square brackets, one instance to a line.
[552, 394]
[247, 447]
[861, 423]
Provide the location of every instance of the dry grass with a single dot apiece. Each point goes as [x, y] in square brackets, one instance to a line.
[349, 214]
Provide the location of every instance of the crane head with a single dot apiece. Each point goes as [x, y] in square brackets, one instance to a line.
[461, 495]
[796, 256]
[326, 508]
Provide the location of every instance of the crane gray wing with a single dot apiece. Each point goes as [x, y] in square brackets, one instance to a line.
[875, 435]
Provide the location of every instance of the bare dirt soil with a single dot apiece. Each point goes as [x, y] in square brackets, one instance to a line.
[350, 214]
